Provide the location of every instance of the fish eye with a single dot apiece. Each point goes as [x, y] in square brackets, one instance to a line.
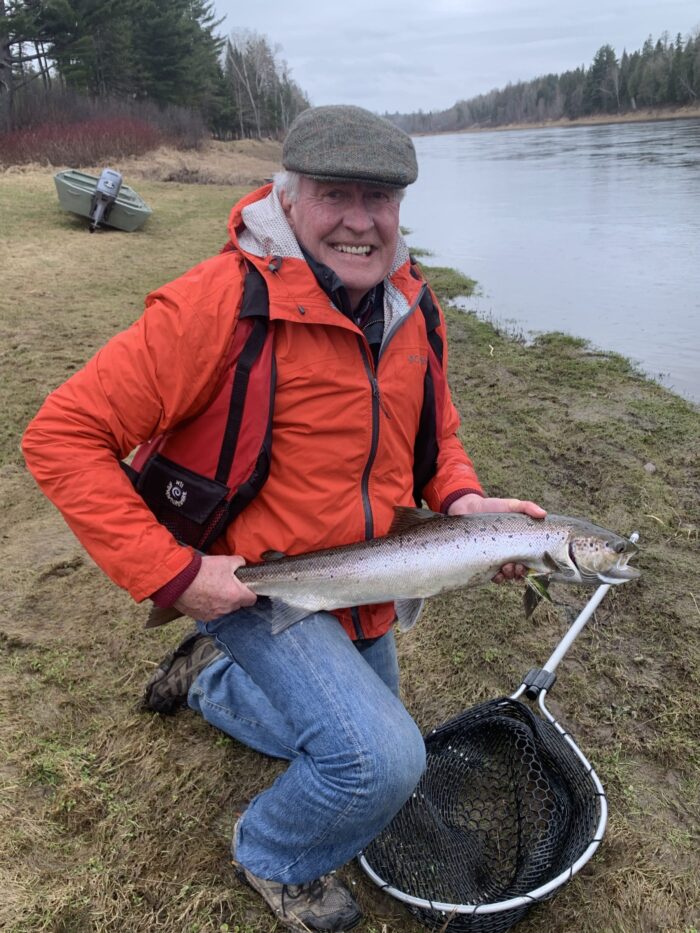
[619, 547]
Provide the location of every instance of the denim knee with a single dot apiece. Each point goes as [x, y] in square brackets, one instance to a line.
[394, 760]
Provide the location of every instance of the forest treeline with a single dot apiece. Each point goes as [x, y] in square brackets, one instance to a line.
[159, 53]
[664, 73]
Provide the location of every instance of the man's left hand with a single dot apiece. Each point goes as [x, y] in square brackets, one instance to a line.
[473, 504]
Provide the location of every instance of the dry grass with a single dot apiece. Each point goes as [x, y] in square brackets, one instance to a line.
[113, 820]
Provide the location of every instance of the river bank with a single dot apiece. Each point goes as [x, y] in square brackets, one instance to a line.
[113, 820]
[246, 162]
[643, 115]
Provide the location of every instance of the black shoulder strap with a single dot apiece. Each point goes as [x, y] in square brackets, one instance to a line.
[256, 306]
[426, 445]
[431, 316]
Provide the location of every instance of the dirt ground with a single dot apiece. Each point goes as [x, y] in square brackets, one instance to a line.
[115, 820]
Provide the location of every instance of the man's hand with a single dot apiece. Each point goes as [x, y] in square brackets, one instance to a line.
[472, 504]
[216, 590]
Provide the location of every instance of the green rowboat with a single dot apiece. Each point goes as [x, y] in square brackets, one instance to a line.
[76, 191]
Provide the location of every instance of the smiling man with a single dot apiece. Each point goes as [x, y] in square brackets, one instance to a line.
[352, 228]
[314, 348]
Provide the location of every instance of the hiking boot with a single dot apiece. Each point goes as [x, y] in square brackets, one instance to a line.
[323, 904]
[166, 691]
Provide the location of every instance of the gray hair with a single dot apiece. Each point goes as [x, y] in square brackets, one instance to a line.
[289, 182]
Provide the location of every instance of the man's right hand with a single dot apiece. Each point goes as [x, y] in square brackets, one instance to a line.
[216, 590]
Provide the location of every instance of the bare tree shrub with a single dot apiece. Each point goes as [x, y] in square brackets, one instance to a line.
[63, 127]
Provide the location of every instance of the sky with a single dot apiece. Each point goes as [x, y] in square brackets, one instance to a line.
[389, 56]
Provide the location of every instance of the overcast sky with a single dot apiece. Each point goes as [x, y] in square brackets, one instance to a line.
[387, 56]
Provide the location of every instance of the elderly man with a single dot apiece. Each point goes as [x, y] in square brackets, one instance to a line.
[361, 422]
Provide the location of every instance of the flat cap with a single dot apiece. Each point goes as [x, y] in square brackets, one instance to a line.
[345, 143]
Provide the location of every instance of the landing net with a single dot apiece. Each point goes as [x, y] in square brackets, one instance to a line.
[506, 812]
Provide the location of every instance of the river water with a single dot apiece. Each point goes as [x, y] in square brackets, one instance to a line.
[591, 230]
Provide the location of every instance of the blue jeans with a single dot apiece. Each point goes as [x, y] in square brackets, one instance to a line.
[328, 705]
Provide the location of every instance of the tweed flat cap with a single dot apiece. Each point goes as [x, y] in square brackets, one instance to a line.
[345, 143]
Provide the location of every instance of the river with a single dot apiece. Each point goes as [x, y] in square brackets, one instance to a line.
[590, 230]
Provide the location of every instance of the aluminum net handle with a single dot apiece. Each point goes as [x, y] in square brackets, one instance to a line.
[574, 631]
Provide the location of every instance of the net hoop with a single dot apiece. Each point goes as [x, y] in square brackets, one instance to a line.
[537, 894]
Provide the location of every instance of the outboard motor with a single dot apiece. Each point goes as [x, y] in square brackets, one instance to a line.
[106, 191]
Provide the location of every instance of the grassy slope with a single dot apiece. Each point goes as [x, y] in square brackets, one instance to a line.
[116, 821]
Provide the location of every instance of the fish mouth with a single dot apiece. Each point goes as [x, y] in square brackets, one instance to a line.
[619, 572]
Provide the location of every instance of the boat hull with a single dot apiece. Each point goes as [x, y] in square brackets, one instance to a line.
[75, 190]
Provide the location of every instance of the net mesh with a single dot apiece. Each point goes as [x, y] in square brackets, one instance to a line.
[505, 805]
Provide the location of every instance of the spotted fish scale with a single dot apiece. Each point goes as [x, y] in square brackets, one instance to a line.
[425, 554]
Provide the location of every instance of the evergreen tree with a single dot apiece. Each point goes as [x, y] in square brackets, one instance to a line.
[22, 53]
[601, 89]
[662, 73]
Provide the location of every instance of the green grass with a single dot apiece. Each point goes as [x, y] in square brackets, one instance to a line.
[448, 283]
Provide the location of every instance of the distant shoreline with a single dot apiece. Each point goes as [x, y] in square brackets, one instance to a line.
[646, 115]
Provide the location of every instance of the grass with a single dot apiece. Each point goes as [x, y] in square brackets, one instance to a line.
[448, 283]
[112, 820]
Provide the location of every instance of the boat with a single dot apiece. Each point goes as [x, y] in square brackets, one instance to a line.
[104, 200]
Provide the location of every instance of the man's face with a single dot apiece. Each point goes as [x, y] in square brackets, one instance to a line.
[352, 227]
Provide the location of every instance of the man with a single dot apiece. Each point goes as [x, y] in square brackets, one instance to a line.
[353, 362]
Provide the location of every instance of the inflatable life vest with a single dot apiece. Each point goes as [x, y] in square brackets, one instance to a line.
[199, 477]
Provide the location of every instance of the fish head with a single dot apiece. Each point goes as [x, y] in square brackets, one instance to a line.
[601, 556]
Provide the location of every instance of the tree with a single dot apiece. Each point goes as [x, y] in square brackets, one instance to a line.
[661, 73]
[601, 90]
[689, 75]
[6, 82]
[264, 98]
[22, 54]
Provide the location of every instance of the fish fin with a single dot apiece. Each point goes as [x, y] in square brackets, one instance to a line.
[273, 555]
[557, 566]
[531, 601]
[536, 590]
[159, 616]
[282, 615]
[408, 612]
[406, 517]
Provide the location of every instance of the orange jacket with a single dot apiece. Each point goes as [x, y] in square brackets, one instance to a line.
[342, 450]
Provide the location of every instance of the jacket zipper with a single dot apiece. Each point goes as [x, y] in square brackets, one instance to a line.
[364, 482]
[377, 404]
[374, 443]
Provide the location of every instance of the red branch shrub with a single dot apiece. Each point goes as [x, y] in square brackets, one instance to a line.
[63, 127]
[82, 143]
